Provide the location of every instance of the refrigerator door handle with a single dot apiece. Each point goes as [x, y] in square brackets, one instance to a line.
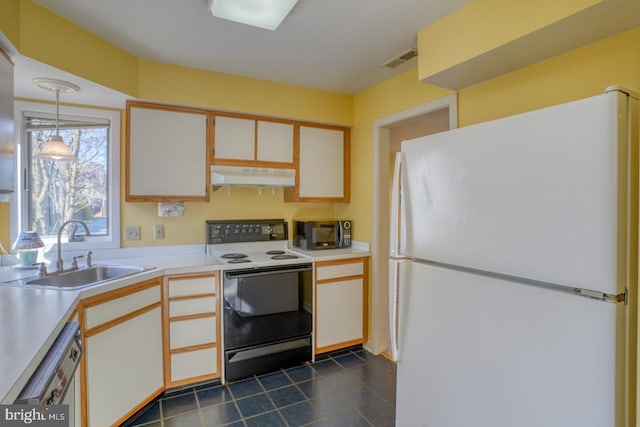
[394, 300]
[396, 208]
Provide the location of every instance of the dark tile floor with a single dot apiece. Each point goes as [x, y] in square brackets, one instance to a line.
[353, 388]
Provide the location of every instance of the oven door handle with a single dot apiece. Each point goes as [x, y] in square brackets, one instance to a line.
[241, 274]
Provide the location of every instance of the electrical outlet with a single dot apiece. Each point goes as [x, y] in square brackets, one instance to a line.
[158, 232]
[132, 232]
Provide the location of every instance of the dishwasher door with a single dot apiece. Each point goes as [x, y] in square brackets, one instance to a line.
[54, 378]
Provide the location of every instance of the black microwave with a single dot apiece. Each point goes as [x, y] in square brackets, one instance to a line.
[322, 234]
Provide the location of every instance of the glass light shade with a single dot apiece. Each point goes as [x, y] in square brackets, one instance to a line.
[27, 245]
[56, 149]
[266, 14]
[27, 240]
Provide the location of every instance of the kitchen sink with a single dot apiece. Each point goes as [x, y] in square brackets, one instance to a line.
[86, 276]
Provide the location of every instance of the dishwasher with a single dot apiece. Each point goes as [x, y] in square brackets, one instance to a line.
[53, 382]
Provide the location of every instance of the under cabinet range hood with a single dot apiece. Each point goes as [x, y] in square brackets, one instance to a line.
[247, 175]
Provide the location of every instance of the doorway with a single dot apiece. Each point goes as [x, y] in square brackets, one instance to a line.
[389, 132]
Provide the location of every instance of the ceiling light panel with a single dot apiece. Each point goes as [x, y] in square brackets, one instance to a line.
[266, 14]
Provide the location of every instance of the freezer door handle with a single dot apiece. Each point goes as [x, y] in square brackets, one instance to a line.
[395, 232]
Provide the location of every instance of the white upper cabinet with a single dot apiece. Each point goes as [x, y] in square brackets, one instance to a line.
[252, 141]
[166, 153]
[275, 142]
[323, 165]
[234, 138]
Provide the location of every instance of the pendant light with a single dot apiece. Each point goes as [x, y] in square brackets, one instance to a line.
[55, 148]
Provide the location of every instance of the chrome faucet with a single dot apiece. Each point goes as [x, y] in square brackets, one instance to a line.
[60, 262]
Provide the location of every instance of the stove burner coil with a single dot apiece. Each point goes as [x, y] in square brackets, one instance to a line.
[234, 256]
[238, 260]
[275, 252]
[284, 256]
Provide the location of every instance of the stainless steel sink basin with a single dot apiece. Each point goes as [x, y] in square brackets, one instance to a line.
[86, 276]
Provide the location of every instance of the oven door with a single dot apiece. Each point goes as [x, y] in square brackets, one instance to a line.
[267, 319]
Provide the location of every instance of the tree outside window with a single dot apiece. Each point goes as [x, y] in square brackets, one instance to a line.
[62, 190]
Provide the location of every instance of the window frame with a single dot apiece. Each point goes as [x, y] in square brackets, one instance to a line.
[19, 216]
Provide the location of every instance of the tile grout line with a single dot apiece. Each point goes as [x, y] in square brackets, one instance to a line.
[334, 367]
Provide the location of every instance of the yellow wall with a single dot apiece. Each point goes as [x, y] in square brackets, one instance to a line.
[394, 95]
[46, 37]
[4, 226]
[466, 32]
[186, 86]
[10, 20]
[582, 72]
[53, 40]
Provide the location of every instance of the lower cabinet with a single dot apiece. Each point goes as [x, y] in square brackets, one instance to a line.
[123, 366]
[192, 328]
[341, 294]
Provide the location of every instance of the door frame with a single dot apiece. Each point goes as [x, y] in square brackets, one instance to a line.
[378, 330]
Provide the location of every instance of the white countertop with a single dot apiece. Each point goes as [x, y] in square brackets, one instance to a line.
[31, 318]
[332, 254]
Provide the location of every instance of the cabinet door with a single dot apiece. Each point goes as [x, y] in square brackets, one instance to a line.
[247, 141]
[275, 142]
[339, 313]
[234, 138]
[323, 165]
[123, 356]
[166, 154]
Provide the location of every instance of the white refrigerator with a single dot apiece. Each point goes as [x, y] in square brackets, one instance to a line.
[513, 251]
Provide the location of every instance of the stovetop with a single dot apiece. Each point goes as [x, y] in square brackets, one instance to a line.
[250, 243]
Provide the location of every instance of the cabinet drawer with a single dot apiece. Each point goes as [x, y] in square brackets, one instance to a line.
[195, 363]
[102, 313]
[186, 333]
[326, 272]
[191, 286]
[186, 307]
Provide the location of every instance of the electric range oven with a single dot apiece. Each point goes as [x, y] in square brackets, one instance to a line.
[267, 297]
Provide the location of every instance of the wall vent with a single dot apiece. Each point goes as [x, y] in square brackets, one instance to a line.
[401, 59]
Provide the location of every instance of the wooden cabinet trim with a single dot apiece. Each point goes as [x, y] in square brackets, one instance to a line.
[121, 292]
[341, 261]
[121, 319]
[195, 296]
[137, 408]
[164, 107]
[256, 163]
[338, 279]
[193, 347]
[339, 346]
[191, 317]
[188, 276]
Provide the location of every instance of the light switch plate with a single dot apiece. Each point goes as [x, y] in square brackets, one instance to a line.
[158, 232]
[132, 232]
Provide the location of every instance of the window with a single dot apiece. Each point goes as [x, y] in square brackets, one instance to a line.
[56, 191]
